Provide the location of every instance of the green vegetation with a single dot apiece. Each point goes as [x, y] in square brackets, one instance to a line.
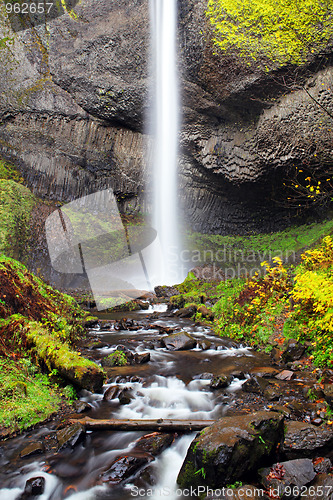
[26, 396]
[9, 172]
[254, 248]
[117, 358]
[277, 32]
[281, 302]
[16, 204]
[39, 327]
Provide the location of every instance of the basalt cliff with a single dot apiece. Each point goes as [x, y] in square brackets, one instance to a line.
[75, 106]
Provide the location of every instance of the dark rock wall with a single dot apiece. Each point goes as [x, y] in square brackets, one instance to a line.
[75, 104]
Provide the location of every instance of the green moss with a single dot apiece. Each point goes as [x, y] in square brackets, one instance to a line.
[9, 172]
[16, 204]
[117, 358]
[26, 397]
[276, 32]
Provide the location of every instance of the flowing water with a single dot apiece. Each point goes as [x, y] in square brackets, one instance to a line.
[165, 110]
[166, 387]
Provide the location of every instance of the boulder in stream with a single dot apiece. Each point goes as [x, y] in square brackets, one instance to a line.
[230, 449]
[34, 486]
[70, 436]
[181, 341]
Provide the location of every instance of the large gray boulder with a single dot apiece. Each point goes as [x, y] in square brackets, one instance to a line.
[231, 448]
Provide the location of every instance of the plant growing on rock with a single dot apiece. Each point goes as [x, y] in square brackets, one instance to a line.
[117, 358]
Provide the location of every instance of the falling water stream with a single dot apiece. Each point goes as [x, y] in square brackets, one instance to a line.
[165, 110]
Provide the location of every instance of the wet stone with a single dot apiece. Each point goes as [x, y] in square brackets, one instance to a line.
[306, 440]
[141, 358]
[111, 393]
[283, 476]
[186, 312]
[322, 483]
[155, 442]
[81, 406]
[203, 376]
[125, 396]
[125, 467]
[285, 375]
[34, 486]
[69, 436]
[257, 385]
[328, 394]
[179, 342]
[220, 382]
[293, 351]
[33, 448]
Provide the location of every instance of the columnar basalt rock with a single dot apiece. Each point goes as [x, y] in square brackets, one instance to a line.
[76, 101]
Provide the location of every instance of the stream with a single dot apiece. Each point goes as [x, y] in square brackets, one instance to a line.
[166, 387]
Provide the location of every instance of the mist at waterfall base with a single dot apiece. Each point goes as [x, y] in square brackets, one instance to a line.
[165, 259]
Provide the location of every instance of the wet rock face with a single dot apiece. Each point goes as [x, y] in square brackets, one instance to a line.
[305, 440]
[283, 477]
[75, 120]
[181, 341]
[230, 449]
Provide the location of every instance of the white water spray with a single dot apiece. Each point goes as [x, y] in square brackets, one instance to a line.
[166, 260]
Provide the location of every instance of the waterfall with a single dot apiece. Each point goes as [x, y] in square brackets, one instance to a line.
[165, 119]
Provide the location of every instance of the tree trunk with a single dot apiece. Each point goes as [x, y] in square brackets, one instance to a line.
[161, 425]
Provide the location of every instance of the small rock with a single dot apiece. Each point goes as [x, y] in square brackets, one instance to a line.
[124, 467]
[272, 393]
[187, 312]
[317, 421]
[166, 291]
[141, 358]
[257, 385]
[305, 440]
[33, 448]
[179, 341]
[143, 305]
[155, 442]
[70, 436]
[111, 393]
[328, 394]
[205, 312]
[220, 382]
[205, 345]
[81, 406]
[322, 483]
[285, 375]
[293, 351]
[203, 376]
[34, 486]
[91, 323]
[283, 476]
[125, 396]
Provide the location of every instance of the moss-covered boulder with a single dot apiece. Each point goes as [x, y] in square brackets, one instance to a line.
[230, 449]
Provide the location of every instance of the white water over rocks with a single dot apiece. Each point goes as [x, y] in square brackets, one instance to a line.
[166, 259]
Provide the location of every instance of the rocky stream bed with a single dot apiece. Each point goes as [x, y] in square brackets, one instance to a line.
[271, 437]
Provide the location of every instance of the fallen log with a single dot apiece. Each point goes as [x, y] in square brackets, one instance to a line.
[160, 425]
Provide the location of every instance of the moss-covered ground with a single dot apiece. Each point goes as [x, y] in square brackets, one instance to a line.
[285, 300]
[39, 327]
